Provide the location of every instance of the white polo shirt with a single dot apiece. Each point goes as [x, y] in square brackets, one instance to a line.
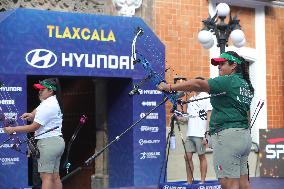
[48, 115]
[197, 110]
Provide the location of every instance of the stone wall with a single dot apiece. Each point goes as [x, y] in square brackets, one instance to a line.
[104, 7]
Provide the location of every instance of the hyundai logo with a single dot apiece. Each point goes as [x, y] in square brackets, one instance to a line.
[41, 58]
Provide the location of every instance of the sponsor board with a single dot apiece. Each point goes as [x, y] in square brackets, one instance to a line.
[271, 152]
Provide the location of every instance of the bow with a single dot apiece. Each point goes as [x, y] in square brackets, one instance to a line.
[152, 75]
[10, 119]
[82, 121]
[12, 137]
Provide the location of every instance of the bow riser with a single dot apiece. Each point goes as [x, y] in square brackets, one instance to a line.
[152, 75]
[156, 78]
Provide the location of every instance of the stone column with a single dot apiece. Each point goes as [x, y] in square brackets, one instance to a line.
[100, 179]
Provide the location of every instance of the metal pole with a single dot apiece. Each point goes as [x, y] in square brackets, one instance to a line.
[222, 41]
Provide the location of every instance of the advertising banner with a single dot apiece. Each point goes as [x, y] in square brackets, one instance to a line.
[44, 42]
[148, 144]
[49, 43]
[271, 144]
[13, 154]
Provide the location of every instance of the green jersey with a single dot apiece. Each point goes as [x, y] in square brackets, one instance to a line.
[230, 110]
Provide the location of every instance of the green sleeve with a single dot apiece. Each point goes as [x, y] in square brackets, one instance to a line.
[218, 84]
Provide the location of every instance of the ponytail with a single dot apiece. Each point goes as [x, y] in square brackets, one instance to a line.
[58, 94]
[244, 69]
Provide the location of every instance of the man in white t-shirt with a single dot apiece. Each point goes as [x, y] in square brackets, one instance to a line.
[198, 120]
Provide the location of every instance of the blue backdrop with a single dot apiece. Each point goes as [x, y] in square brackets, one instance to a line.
[34, 42]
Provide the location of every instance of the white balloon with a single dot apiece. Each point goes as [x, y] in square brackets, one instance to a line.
[241, 44]
[209, 44]
[223, 9]
[205, 36]
[237, 36]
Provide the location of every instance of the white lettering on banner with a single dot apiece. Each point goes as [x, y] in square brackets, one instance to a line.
[12, 89]
[7, 102]
[43, 58]
[9, 161]
[273, 151]
[210, 187]
[150, 116]
[149, 103]
[149, 155]
[200, 187]
[174, 187]
[142, 142]
[97, 61]
[150, 92]
[6, 146]
[148, 128]
[10, 115]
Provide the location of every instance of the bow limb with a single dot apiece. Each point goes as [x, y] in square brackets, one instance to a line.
[82, 121]
[138, 32]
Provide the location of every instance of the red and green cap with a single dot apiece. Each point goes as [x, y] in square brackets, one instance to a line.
[44, 84]
[223, 58]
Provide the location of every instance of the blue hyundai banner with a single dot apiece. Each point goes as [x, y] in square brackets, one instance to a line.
[48, 43]
[41, 42]
[13, 153]
[149, 136]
